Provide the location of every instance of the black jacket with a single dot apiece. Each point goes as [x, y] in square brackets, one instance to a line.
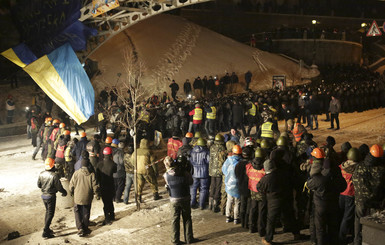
[104, 174]
[243, 179]
[49, 183]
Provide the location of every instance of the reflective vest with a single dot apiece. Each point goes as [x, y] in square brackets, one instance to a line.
[253, 110]
[267, 131]
[173, 146]
[274, 113]
[212, 114]
[33, 124]
[349, 191]
[60, 151]
[297, 135]
[254, 176]
[52, 137]
[197, 114]
[145, 116]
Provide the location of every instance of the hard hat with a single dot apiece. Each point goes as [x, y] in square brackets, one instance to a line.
[282, 141]
[318, 153]
[219, 137]
[260, 153]
[67, 132]
[83, 134]
[62, 125]
[248, 141]
[107, 151]
[189, 135]
[48, 119]
[265, 144]
[201, 142]
[197, 134]
[56, 121]
[108, 140]
[115, 141]
[353, 154]
[376, 151]
[49, 163]
[237, 150]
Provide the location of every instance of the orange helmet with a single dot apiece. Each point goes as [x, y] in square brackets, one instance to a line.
[67, 132]
[83, 134]
[189, 135]
[56, 121]
[62, 125]
[376, 151]
[49, 163]
[237, 150]
[318, 153]
[48, 119]
[108, 140]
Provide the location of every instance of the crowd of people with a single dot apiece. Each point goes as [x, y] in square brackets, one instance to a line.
[253, 176]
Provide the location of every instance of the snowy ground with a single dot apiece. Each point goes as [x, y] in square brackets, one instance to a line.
[22, 209]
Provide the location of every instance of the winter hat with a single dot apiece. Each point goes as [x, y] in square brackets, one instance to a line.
[364, 150]
[330, 141]
[345, 147]
[85, 154]
[269, 167]
[168, 162]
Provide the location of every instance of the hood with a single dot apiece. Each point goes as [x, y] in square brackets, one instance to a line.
[372, 161]
[199, 148]
[143, 144]
[85, 171]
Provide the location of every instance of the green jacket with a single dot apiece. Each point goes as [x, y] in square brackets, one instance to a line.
[218, 156]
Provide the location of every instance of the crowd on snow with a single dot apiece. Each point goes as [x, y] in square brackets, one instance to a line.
[253, 177]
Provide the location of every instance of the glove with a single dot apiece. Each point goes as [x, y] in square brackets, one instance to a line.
[64, 193]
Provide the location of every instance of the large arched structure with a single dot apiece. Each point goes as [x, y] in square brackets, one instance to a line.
[127, 14]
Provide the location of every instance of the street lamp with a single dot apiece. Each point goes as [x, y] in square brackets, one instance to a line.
[314, 22]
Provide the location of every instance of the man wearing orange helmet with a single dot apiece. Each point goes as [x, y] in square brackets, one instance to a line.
[49, 183]
[327, 183]
[369, 186]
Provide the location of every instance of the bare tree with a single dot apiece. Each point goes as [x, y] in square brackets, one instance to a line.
[130, 93]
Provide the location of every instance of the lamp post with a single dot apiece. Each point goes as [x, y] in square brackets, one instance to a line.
[314, 22]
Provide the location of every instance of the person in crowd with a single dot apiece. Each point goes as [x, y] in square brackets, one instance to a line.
[187, 88]
[178, 179]
[231, 185]
[83, 187]
[218, 155]
[174, 89]
[130, 169]
[49, 183]
[200, 158]
[334, 109]
[120, 174]
[104, 175]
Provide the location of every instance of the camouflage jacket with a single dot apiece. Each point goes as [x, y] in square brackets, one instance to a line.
[369, 182]
[218, 156]
[128, 165]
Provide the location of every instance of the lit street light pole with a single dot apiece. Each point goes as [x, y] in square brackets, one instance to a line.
[314, 22]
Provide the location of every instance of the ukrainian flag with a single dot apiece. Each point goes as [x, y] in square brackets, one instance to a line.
[21, 55]
[61, 76]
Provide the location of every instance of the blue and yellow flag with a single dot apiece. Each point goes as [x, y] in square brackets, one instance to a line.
[61, 76]
[21, 55]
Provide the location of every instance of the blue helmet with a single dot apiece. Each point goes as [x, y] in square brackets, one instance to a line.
[115, 141]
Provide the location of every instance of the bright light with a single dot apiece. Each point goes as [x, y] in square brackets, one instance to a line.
[314, 22]
[189, 96]
[363, 25]
[27, 108]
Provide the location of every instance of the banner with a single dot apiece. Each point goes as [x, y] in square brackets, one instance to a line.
[279, 82]
[61, 76]
[21, 55]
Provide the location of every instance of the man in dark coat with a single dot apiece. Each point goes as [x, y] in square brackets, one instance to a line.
[187, 88]
[104, 175]
[174, 89]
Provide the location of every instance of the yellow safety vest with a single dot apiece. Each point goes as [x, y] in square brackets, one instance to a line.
[274, 113]
[267, 131]
[253, 110]
[197, 114]
[212, 114]
[145, 116]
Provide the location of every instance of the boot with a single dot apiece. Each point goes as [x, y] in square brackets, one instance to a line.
[34, 157]
[156, 196]
[211, 203]
[216, 208]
